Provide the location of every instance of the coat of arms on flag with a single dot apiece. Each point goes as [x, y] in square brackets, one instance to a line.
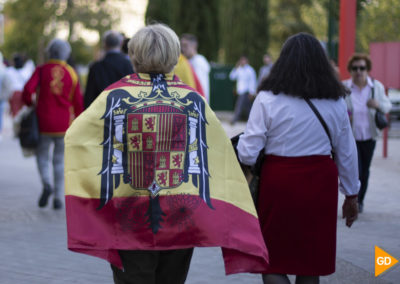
[154, 141]
[156, 150]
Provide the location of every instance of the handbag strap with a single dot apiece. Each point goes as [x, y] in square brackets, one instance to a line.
[321, 120]
[373, 88]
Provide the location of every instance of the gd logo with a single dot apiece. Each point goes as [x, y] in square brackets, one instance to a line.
[383, 261]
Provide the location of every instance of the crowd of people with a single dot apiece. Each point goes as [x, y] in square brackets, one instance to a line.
[161, 145]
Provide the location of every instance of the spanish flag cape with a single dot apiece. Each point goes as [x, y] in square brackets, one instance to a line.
[149, 167]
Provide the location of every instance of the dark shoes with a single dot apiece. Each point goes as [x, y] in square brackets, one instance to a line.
[44, 198]
[57, 204]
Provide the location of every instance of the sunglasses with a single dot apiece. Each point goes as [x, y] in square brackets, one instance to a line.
[361, 68]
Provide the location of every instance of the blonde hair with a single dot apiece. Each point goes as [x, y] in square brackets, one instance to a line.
[154, 49]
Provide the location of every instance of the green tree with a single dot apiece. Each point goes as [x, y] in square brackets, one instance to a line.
[287, 19]
[378, 21]
[198, 17]
[244, 30]
[25, 27]
[159, 11]
[94, 15]
[32, 26]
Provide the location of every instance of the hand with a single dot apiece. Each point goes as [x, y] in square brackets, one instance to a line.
[372, 103]
[350, 210]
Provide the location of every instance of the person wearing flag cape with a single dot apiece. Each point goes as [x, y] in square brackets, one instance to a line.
[150, 174]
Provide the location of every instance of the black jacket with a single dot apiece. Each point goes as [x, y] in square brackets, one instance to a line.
[104, 72]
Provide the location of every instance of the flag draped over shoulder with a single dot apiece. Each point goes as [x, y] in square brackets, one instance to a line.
[149, 167]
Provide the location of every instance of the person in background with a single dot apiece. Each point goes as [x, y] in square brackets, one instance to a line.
[57, 103]
[109, 69]
[246, 84]
[298, 191]
[186, 74]
[265, 69]
[361, 108]
[3, 96]
[14, 80]
[199, 63]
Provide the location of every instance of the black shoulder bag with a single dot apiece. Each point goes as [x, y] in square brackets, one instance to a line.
[380, 118]
[29, 130]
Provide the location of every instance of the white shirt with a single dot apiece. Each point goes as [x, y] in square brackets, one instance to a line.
[202, 69]
[359, 98]
[246, 79]
[286, 126]
[13, 80]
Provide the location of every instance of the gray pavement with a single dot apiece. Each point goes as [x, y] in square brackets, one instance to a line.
[33, 241]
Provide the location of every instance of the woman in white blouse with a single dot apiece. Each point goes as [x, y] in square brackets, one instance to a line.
[367, 96]
[297, 202]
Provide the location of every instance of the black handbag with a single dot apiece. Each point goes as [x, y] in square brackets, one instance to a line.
[29, 130]
[380, 118]
[255, 170]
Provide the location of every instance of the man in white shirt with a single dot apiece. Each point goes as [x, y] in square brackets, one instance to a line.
[199, 63]
[246, 82]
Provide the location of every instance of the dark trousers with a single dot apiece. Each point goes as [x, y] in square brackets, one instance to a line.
[365, 150]
[153, 267]
[242, 107]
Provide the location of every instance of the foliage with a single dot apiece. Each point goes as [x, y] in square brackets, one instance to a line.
[21, 35]
[378, 21]
[30, 27]
[81, 52]
[92, 14]
[257, 26]
[244, 30]
[198, 17]
[315, 16]
[286, 19]
[159, 11]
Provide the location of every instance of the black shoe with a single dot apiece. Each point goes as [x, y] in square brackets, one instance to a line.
[57, 204]
[44, 197]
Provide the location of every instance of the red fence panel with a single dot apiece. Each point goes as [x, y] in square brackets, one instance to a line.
[385, 57]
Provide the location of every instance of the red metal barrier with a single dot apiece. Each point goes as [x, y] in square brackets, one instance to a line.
[347, 34]
[385, 57]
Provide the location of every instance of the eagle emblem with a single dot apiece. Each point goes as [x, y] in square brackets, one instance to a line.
[154, 141]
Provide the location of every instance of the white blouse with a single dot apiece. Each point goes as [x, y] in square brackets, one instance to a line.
[283, 125]
[359, 98]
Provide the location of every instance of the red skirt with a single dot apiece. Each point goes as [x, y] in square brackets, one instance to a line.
[297, 208]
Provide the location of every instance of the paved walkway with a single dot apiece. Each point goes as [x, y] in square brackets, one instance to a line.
[33, 241]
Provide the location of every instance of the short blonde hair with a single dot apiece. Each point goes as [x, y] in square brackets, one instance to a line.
[154, 49]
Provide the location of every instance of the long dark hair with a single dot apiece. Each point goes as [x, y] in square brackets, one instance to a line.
[303, 70]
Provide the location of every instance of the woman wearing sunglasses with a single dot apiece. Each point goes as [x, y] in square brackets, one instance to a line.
[367, 96]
